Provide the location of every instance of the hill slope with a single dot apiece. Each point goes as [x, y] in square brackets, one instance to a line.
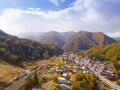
[67, 35]
[15, 50]
[85, 40]
[110, 53]
[8, 71]
[52, 38]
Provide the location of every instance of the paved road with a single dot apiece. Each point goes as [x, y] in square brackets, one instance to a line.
[108, 82]
[16, 85]
[21, 82]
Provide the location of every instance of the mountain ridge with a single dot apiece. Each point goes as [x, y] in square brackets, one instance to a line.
[83, 40]
[51, 38]
[74, 41]
[14, 49]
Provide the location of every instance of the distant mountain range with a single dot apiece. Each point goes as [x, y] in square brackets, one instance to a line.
[29, 35]
[52, 38]
[67, 35]
[15, 50]
[74, 41]
[117, 38]
[84, 40]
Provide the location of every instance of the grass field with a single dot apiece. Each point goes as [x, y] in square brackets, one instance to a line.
[8, 71]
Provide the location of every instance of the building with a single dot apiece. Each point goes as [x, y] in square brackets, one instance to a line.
[62, 80]
[64, 87]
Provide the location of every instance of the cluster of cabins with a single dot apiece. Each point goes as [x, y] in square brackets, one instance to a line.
[76, 65]
[85, 65]
[79, 64]
[100, 68]
[64, 79]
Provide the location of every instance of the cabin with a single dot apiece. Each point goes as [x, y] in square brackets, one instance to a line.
[63, 69]
[65, 75]
[62, 80]
[74, 70]
[64, 87]
[87, 70]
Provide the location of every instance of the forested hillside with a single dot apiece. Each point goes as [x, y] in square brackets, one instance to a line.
[84, 40]
[110, 53]
[15, 50]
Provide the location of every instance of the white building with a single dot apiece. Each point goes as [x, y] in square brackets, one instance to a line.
[62, 80]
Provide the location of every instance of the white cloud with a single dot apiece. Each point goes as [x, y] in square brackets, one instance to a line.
[80, 16]
[56, 2]
[115, 34]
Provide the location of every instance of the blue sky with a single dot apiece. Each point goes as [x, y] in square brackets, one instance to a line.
[17, 16]
[43, 4]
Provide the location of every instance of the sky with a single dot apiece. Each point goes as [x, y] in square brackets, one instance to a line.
[18, 16]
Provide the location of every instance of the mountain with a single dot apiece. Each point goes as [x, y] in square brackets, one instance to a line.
[51, 38]
[74, 41]
[15, 50]
[84, 40]
[67, 35]
[54, 38]
[117, 38]
[29, 35]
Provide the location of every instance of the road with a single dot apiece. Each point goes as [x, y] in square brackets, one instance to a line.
[21, 82]
[16, 85]
[110, 83]
[107, 81]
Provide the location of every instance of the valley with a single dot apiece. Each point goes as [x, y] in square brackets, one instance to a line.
[83, 60]
[59, 44]
[61, 71]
